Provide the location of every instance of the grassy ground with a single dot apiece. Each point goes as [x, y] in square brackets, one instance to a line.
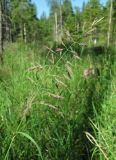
[46, 108]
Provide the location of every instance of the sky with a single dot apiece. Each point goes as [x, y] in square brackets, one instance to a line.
[42, 5]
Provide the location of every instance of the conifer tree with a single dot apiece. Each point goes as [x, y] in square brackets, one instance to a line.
[27, 13]
[68, 16]
[56, 19]
[92, 13]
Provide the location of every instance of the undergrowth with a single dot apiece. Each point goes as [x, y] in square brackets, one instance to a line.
[47, 106]
[104, 125]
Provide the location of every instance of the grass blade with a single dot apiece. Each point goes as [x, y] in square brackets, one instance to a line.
[33, 141]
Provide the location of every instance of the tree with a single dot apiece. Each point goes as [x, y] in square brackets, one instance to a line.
[67, 12]
[114, 23]
[110, 22]
[68, 19]
[1, 31]
[78, 18]
[6, 21]
[92, 12]
[27, 13]
[56, 18]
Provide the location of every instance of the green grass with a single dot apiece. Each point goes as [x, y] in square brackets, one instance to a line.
[105, 126]
[45, 110]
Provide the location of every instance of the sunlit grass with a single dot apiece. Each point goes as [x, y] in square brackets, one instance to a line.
[50, 104]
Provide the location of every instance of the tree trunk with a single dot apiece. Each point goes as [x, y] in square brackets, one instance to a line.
[7, 22]
[61, 22]
[1, 34]
[8, 31]
[25, 33]
[110, 22]
[114, 24]
[56, 27]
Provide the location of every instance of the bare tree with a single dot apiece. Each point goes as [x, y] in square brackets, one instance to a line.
[56, 7]
[56, 26]
[1, 33]
[61, 20]
[110, 22]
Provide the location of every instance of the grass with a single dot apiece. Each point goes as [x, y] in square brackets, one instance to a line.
[46, 107]
[105, 126]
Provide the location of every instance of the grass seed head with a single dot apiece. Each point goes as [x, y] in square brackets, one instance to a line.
[28, 106]
[60, 83]
[35, 68]
[48, 104]
[69, 71]
[55, 96]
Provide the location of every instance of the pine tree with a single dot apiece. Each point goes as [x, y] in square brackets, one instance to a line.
[27, 13]
[56, 19]
[92, 13]
[68, 19]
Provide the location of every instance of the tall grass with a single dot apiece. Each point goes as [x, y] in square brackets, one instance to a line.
[46, 107]
[104, 124]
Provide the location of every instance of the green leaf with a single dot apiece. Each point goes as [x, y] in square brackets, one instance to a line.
[33, 141]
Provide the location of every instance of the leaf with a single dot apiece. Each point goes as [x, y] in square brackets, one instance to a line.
[33, 141]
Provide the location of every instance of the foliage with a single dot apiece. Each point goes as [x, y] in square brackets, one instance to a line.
[63, 23]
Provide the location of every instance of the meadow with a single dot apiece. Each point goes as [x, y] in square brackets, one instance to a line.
[50, 111]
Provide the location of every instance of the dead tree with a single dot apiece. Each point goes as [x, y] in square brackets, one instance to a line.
[1, 32]
[110, 23]
[56, 26]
